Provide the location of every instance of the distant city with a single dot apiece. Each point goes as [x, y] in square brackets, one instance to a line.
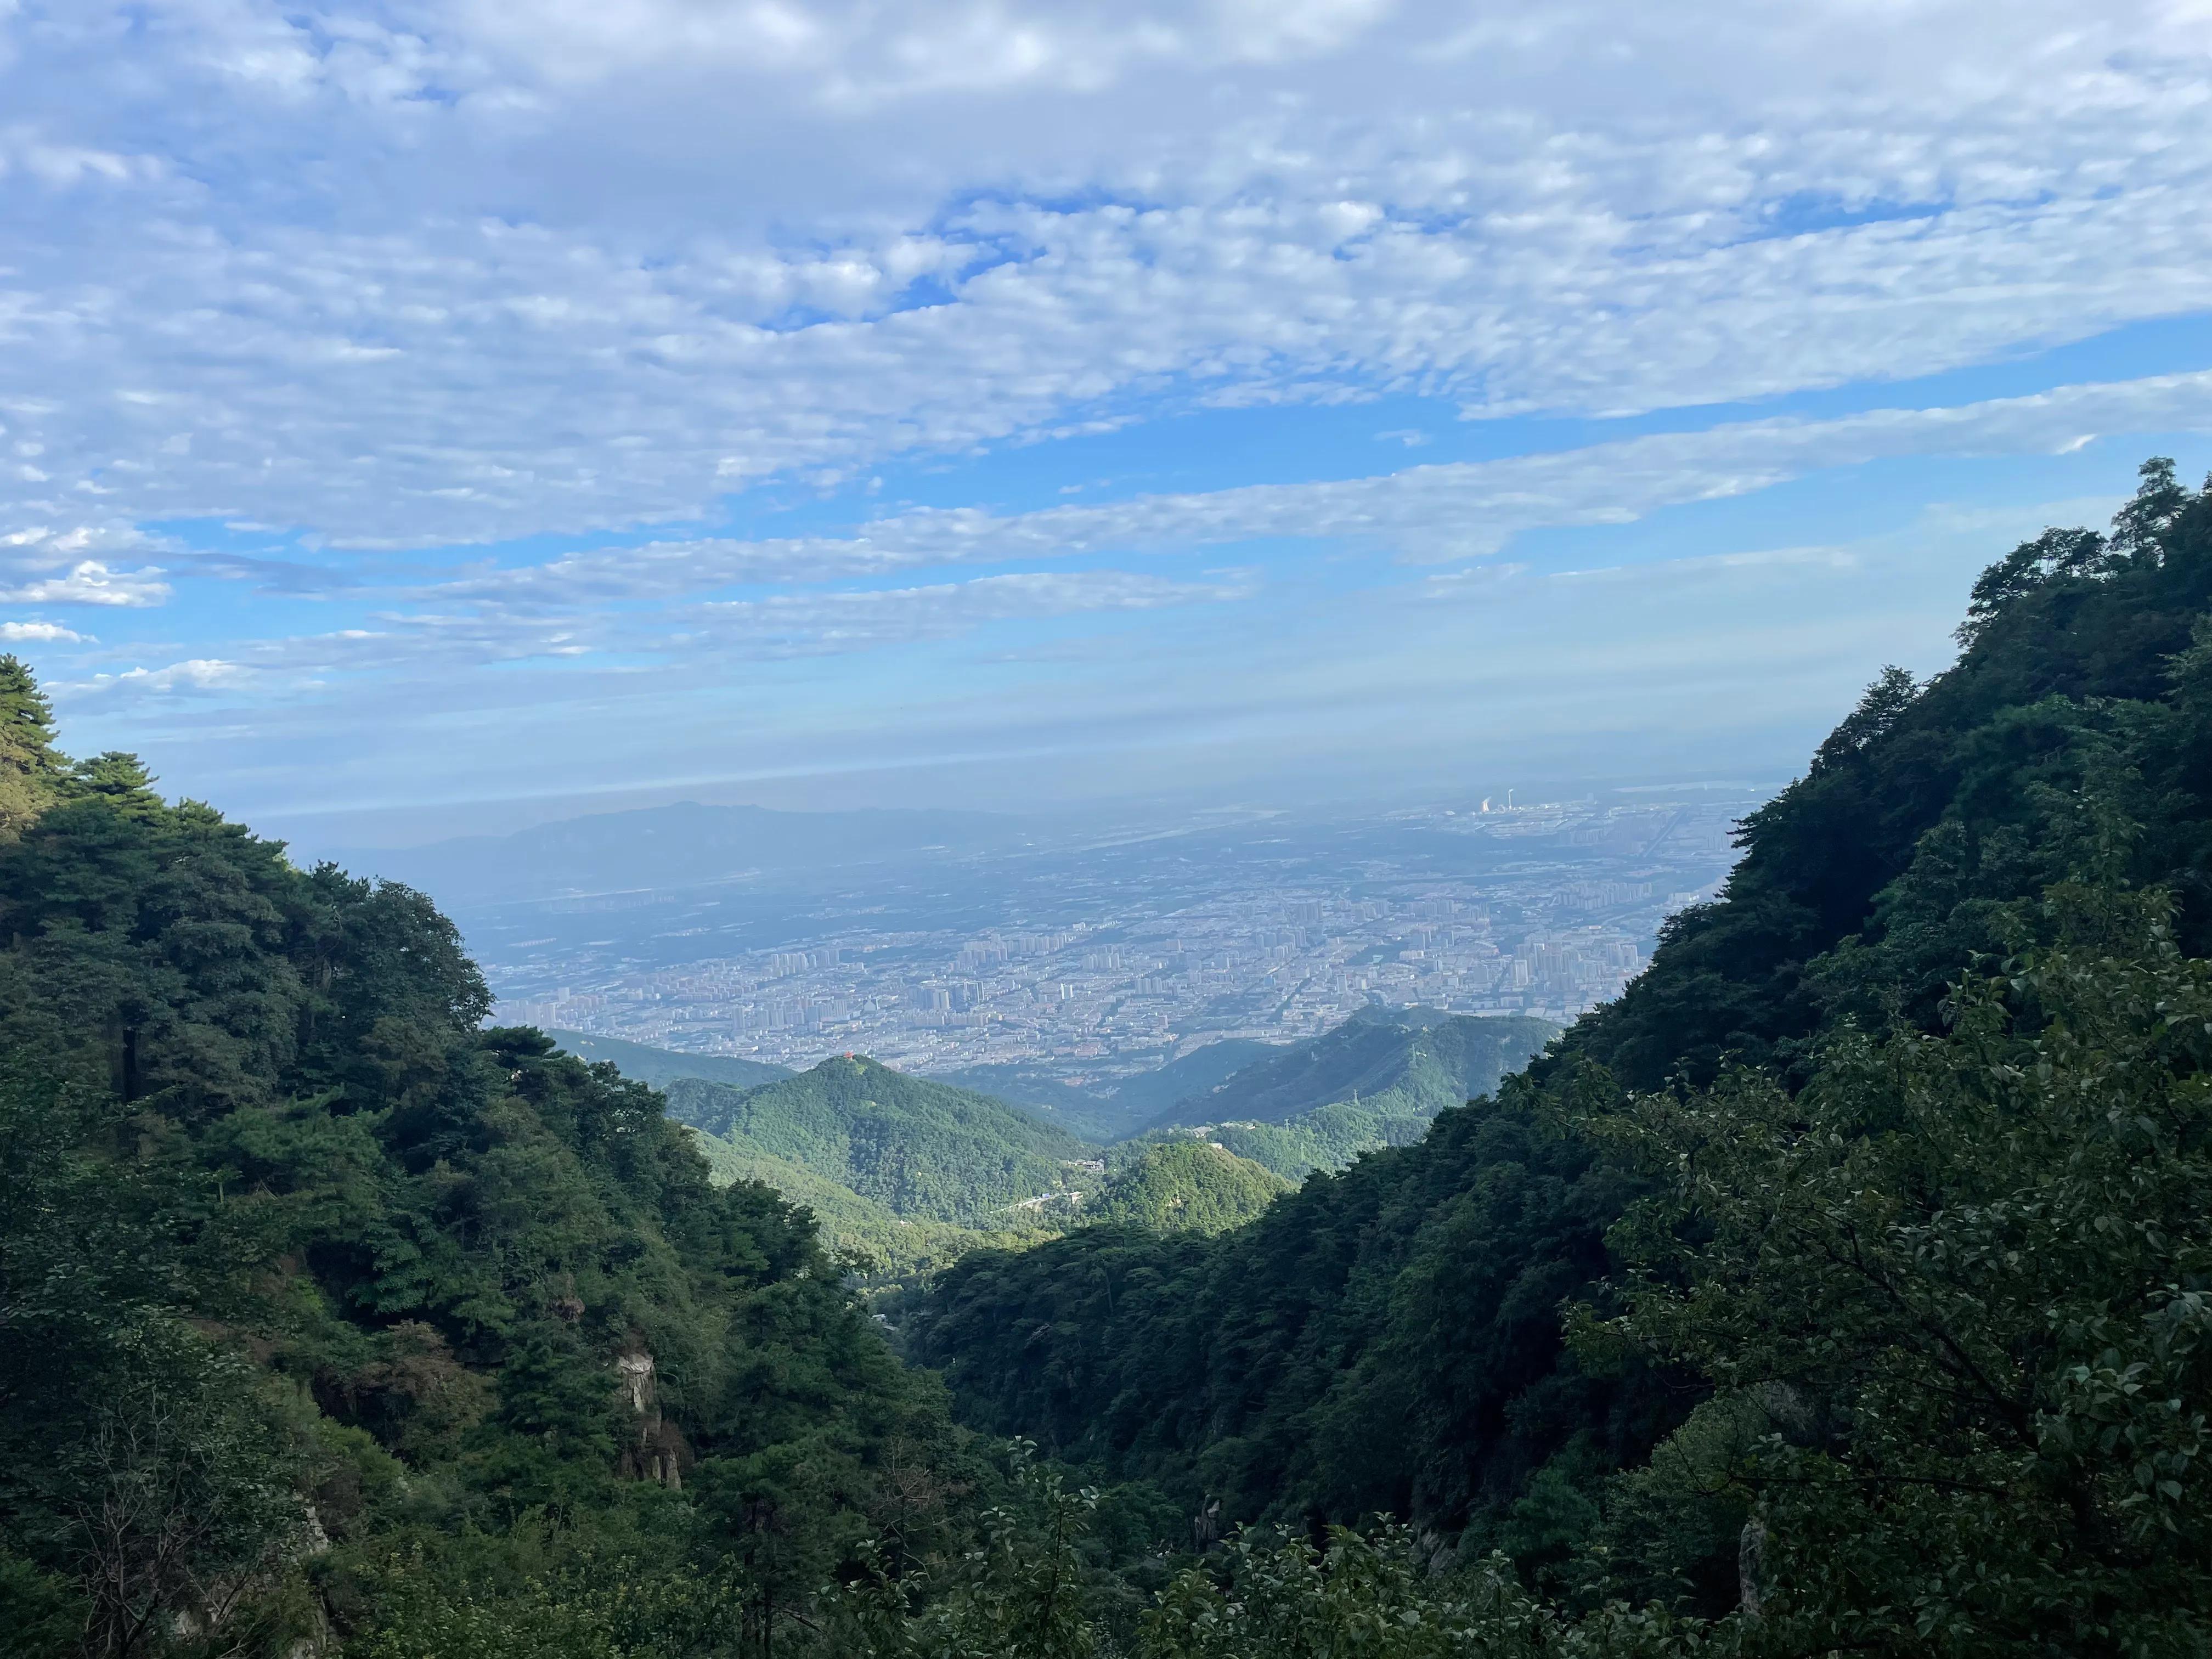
[1100, 959]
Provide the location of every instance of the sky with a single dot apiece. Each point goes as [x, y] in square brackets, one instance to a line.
[420, 418]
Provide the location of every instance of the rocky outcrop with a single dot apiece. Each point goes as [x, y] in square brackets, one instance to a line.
[1206, 1526]
[656, 1450]
[1751, 1569]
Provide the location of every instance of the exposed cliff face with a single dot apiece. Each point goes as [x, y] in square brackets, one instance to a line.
[655, 1451]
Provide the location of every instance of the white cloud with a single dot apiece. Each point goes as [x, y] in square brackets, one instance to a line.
[195, 674]
[91, 582]
[851, 620]
[43, 632]
[543, 276]
[1432, 514]
[504, 382]
[447, 643]
[64, 165]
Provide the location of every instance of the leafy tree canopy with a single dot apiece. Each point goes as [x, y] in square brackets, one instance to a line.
[1185, 1186]
[300, 1267]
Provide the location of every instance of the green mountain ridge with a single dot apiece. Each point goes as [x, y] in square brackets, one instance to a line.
[896, 1246]
[802, 1141]
[1394, 1062]
[1374, 1081]
[921, 1151]
[1123, 1107]
[1185, 1186]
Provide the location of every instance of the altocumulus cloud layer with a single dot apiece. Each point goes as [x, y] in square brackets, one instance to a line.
[493, 399]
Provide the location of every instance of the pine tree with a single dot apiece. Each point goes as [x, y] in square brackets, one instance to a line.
[119, 778]
[30, 768]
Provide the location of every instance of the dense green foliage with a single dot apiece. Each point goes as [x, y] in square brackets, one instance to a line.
[1185, 1186]
[884, 1252]
[658, 1067]
[300, 1268]
[1951, 1306]
[1326, 1138]
[2071, 738]
[1389, 1338]
[923, 1150]
[1032, 1588]
[1955, 1301]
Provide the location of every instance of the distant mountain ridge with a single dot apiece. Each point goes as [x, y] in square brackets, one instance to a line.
[684, 844]
[1377, 1080]
[793, 1143]
[921, 1149]
[1121, 1108]
[1411, 1062]
[875, 1153]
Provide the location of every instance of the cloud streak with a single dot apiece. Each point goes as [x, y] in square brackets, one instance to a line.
[88, 581]
[1423, 515]
[699, 636]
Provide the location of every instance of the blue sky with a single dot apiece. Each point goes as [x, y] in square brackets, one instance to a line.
[429, 417]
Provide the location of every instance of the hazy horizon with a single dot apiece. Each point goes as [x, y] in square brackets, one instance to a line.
[344, 831]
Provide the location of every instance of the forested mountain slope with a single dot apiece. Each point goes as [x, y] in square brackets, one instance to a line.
[2068, 741]
[1395, 1062]
[895, 1246]
[302, 1273]
[923, 1150]
[1389, 1338]
[1377, 1080]
[1185, 1186]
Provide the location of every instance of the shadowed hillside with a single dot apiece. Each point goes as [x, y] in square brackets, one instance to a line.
[1389, 1338]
